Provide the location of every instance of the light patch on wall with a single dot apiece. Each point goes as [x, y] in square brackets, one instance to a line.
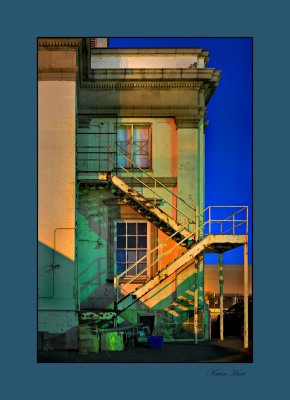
[163, 291]
[56, 165]
[105, 61]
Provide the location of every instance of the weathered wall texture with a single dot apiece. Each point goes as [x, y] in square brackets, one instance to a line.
[56, 202]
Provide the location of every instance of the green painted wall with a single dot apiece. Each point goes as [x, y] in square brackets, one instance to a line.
[175, 154]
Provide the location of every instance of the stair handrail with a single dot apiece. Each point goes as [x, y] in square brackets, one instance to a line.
[190, 220]
[118, 277]
[149, 252]
[230, 218]
[154, 179]
[157, 260]
[198, 228]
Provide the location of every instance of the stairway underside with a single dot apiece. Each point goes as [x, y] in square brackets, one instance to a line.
[222, 243]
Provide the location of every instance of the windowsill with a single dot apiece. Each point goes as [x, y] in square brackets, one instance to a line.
[138, 280]
[135, 170]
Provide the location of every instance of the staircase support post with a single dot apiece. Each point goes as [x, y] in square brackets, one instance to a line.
[246, 283]
[221, 282]
[195, 315]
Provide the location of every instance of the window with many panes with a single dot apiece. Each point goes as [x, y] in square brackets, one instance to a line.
[134, 142]
[131, 245]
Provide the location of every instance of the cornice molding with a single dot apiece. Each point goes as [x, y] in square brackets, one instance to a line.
[205, 75]
[62, 74]
[139, 85]
[58, 43]
[184, 116]
[188, 122]
[184, 119]
[152, 51]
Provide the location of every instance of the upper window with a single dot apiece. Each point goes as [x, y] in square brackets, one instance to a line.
[134, 142]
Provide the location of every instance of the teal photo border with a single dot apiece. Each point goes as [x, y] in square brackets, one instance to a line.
[23, 23]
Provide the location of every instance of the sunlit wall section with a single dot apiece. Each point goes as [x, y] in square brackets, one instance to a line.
[57, 299]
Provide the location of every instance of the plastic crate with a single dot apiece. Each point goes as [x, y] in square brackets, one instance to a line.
[156, 342]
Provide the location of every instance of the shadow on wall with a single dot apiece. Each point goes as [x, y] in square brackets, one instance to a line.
[175, 306]
[95, 247]
[67, 340]
[172, 303]
[55, 274]
[57, 315]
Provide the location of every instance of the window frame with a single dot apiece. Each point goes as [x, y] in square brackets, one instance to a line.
[133, 220]
[133, 125]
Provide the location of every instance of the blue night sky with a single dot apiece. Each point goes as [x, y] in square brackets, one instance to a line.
[228, 137]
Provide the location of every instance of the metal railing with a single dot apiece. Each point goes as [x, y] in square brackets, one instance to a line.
[217, 223]
[202, 230]
[101, 156]
[106, 158]
[156, 183]
[148, 267]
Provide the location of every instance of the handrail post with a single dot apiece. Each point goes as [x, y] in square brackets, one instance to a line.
[196, 223]
[195, 315]
[233, 224]
[246, 294]
[116, 284]
[117, 288]
[209, 220]
[221, 282]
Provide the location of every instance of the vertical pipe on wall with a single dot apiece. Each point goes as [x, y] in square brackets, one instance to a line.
[195, 316]
[196, 223]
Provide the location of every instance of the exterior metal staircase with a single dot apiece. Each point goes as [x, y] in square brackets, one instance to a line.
[210, 234]
[151, 212]
[207, 244]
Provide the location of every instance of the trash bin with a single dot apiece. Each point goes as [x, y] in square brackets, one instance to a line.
[112, 341]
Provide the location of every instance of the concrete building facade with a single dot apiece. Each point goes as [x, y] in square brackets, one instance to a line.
[122, 227]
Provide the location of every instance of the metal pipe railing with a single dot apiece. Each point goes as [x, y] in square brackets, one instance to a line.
[157, 260]
[195, 234]
[118, 277]
[155, 193]
[156, 181]
[149, 252]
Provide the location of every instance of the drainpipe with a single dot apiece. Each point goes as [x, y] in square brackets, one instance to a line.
[195, 315]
